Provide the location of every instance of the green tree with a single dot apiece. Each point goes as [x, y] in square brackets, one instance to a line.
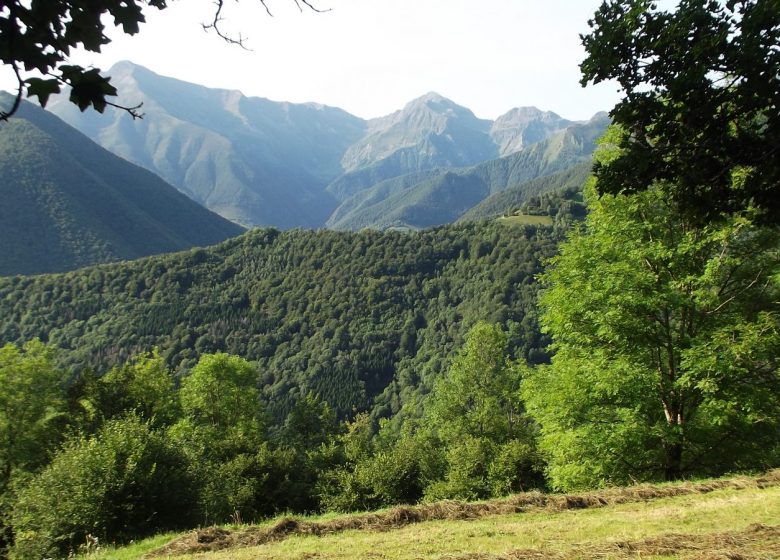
[480, 394]
[476, 410]
[381, 471]
[702, 92]
[221, 392]
[223, 430]
[310, 424]
[31, 403]
[144, 386]
[31, 412]
[666, 342]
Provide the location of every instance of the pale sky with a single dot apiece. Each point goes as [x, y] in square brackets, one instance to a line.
[370, 57]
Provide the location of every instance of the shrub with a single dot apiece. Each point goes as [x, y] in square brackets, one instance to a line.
[124, 483]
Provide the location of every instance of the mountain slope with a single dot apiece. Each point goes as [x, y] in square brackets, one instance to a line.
[433, 132]
[524, 126]
[446, 135]
[513, 197]
[419, 201]
[429, 132]
[254, 161]
[68, 203]
[259, 162]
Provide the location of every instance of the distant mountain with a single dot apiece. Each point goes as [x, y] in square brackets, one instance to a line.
[524, 126]
[260, 162]
[251, 160]
[68, 203]
[443, 196]
[433, 132]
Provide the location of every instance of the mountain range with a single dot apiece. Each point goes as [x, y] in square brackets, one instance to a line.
[264, 163]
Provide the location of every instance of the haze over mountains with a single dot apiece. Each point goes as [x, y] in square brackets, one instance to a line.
[253, 161]
[259, 162]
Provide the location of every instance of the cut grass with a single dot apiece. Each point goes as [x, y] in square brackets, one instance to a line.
[737, 517]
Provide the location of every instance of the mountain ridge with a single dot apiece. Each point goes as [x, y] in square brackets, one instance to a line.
[235, 155]
[70, 203]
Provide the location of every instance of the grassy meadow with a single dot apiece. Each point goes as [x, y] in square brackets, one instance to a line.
[526, 220]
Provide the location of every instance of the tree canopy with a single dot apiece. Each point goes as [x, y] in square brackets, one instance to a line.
[702, 101]
[666, 344]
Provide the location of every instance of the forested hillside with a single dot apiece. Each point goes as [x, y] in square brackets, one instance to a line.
[365, 320]
[331, 371]
[506, 201]
[69, 203]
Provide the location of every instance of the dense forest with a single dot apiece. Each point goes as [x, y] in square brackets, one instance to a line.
[308, 371]
[365, 320]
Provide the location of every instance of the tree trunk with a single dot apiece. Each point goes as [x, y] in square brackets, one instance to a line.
[673, 469]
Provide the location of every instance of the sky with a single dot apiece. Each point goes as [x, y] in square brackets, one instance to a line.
[370, 57]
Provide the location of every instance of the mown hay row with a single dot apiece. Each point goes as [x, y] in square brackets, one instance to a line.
[756, 542]
[213, 538]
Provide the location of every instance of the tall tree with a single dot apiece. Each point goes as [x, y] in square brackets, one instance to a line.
[701, 105]
[479, 417]
[666, 340]
[223, 432]
[221, 393]
[480, 397]
[31, 399]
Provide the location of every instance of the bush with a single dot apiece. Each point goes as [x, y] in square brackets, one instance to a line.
[126, 482]
[517, 467]
[467, 471]
[249, 486]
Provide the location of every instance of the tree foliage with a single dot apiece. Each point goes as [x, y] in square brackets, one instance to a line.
[702, 101]
[474, 440]
[144, 385]
[479, 396]
[39, 36]
[32, 407]
[477, 413]
[125, 482]
[666, 340]
[31, 402]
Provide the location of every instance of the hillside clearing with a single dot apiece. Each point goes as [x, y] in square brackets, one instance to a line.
[726, 518]
[526, 220]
